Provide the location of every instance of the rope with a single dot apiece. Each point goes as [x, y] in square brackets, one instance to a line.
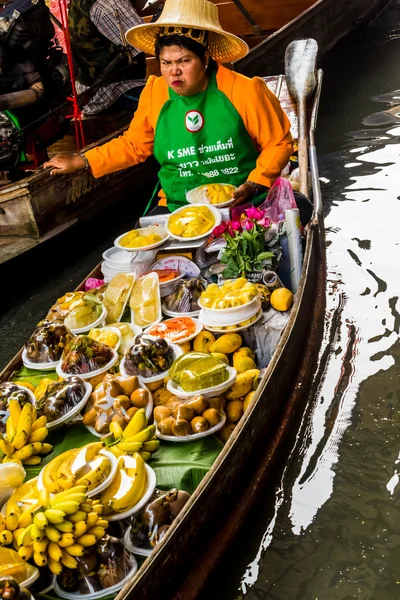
[76, 113]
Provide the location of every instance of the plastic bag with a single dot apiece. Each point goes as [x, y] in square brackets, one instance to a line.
[280, 198]
[83, 355]
[47, 342]
[60, 398]
[117, 294]
[148, 357]
[10, 390]
[197, 371]
[185, 296]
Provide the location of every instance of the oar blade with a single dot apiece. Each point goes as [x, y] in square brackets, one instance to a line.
[301, 67]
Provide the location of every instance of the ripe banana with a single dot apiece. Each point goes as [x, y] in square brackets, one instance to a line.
[54, 566]
[52, 533]
[101, 468]
[133, 484]
[26, 537]
[40, 520]
[15, 412]
[69, 561]
[2, 523]
[92, 519]
[78, 517]
[75, 550]
[145, 455]
[5, 446]
[54, 515]
[32, 460]
[26, 552]
[6, 538]
[80, 528]
[10, 430]
[88, 539]
[39, 435]
[77, 489]
[25, 519]
[36, 533]
[136, 424]
[12, 521]
[150, 446]
[143, 436]
[54, 551]
[65, 527]
[97, 533]
[68, 507]
[40, 559]
[40, 546]
[38, 423]
[127, 446]
[23, 428]
[116, 430]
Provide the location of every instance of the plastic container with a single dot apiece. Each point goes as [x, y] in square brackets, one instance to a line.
[95, 323]
[110, 364]
[206, 392]
[177, 352]
[32, 578]
[235, 329]
[217, 220]
[231, 316]
[73, 412]
[105, 593]
[193, 436]
[118, 259]
[27, 391]
[232, 310]
[135, 549]
[48, 366]
[140, 248]
[198, 327]
[151, 486]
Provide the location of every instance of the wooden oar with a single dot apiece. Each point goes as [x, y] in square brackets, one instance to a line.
[300, 70]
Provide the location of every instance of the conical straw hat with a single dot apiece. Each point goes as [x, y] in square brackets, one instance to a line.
[196, 14]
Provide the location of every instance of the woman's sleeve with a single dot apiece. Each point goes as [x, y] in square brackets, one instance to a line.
[131, 148]
[269, 127]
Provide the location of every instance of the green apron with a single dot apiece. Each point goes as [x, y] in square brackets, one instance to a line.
[201, 139]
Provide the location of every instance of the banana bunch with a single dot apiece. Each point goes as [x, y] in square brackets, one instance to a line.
[61, 530]
[128, 487]
[25, 435]
[80, 466]
[136, 437]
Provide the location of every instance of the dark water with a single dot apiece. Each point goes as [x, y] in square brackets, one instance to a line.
[334, 533]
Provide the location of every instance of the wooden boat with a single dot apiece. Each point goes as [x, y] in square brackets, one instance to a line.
[39, 207]
[179, 566]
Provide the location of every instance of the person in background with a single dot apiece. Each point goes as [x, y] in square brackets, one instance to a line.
[96, 27]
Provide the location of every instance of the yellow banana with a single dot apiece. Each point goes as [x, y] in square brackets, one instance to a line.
[111, 491]
[102, 523]
[6, 538]
[40, 559]
[25, 519]
[145, 455]
[86, 507]
[32, 460]
[116, 430]
[10, 430]
[66, 495]
[44, 497]
[98, 509]
[52, 533]
[54, 566]
[101, 469]
[40, 546]
[64, 476]
[26, 552]
[134, 482]
[89, 539]
[15, 412]
[16, 533]
[54, 551]
[136, 424]
[75, 550]
[39, 423]
[69, 507]
[36, 533]
[5, 445]
[92, 519]
[26, 537]
[78, 517]
[69, 500]
[80, 528]
[39, 435]
[12, 521]
[24, 452]
[2, 522]
[40, 520]
[116, 451]
[69, 561]
[97, 532]
[23, 428]
[50, 471]
[129, 447]
[46, 448]
[143, 436]
[150, 446]
[92, 450]
[34, 415]
[7, 459]
[54, 515]
[65, 527]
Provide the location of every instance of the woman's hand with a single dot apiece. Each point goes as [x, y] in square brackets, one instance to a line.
[64, 164]
[246, 192]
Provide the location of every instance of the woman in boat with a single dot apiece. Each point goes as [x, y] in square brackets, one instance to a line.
[203, 122]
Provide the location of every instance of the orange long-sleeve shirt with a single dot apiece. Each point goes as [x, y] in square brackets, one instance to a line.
[263, 117]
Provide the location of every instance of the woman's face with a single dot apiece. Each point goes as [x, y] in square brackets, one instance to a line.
[183, 70]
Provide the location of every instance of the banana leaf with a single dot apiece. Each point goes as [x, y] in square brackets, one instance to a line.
[33, 376]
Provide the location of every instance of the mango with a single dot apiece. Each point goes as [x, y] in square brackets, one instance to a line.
[227, 343]
[244, 384]
[281, 299]
[221, 356]
[203, 341]
[244, 364]
[247, 400]
[225, 433]
[234, 411]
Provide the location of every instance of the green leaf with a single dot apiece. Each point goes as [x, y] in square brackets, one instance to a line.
[265, 255]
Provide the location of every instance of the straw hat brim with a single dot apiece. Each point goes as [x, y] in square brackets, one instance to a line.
[223, 46]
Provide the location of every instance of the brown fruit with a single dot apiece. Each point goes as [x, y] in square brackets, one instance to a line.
[225, 433]
[161, 412]
[165, 426]
[124, 401]
[216, 402]
[114, 389]
[234, 411]
[155, 385]
[131, 411]
[212, 416]
[129, 385]
[181, 427]
[161, 396]
[89, 418]
[198, 424]
[199, 404]
[140, 398]
[102, 423]
[183, 412]
[119, 418]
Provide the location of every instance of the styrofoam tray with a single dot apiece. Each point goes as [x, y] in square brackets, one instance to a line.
[198, 328]
[151, 486]
[217, 217]
[236, 329]
[49, 366]
[177, 352]
[171, 313]
[74, 411]
[207, 392]
[141, 248]
[93, 325]
[116, 258]
[110, 364]
[210, 319]
[193, 436]
[132, 548]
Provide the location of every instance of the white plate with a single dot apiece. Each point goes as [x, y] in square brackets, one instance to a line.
[48, 366]
[102, 486]
[236, 329]
[151, 486]
[74, 411]
[178, 263]
[207, 392]
[191, 196]
[148, 411]
[95, 323]
[110, 364]
[210, 319]
[105, 593]
[171, 313]
[116, 258]
[177, 352]
[141, 248]
[198, 328]
[132, 548]
[217, 218]
[193, 436]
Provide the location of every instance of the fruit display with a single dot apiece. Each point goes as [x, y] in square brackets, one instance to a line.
[141, 238]
[88, 466]
[13, 391]
[151, 524]
[83, 355]
[59, 398]
[191, 222]
[106, 335]
[196, 371]
[115, 401]
[211, 193]
[234, 292]
[105, 565]
[127, 488]
[25, 435]
[116, 296]
[185, 297]
[77, 310]
[281, 299]
[137, 436]
[174, 330]
[148, 357]
[47, 342]
[187, 418]
[145, 300]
